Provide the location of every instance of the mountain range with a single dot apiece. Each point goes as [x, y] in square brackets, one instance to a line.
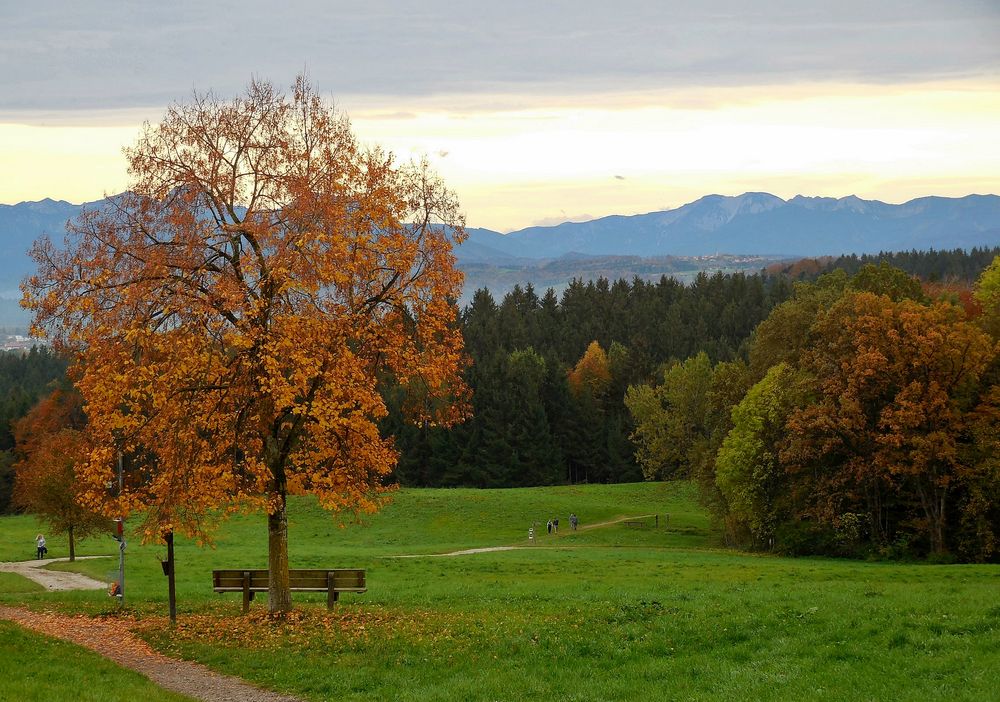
[755, 225]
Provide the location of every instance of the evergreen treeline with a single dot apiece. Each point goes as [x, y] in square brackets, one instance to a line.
[532, 423]
[955, 265]
[24, 379]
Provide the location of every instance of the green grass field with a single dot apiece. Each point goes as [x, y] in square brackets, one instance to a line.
[610, 613]
[36, 667]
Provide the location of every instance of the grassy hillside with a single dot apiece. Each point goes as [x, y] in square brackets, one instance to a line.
[606, 613]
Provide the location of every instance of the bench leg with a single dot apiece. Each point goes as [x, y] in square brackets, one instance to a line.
[331, 594]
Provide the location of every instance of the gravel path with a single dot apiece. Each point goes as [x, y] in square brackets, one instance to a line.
[491, 549]
[53, 579]
[112, 639]
[619, 520]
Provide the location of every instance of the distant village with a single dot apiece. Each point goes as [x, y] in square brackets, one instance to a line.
[19, 341]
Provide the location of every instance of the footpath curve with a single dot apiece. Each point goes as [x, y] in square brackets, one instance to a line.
[53, 580]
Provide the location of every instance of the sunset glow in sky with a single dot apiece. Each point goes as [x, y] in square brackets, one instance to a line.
[541, 116]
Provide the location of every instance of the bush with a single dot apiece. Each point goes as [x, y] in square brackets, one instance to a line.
[802, 538]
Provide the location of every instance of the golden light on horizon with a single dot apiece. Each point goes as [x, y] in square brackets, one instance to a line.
[589, 161]
[620, 154]
[74, 163]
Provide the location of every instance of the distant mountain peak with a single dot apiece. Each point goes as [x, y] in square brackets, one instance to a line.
[751, 203]
[711, 212]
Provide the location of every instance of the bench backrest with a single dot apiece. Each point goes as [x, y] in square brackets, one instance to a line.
[345, 579]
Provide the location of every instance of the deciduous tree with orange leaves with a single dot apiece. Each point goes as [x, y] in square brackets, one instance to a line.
[51, 442]
[895, 382]
[232, 312]
[592, 374]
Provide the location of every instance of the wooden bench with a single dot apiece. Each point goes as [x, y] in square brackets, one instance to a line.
[332, 582]
[635, 524]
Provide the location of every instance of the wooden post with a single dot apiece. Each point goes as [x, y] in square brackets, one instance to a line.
[171, 589]
[246, 591]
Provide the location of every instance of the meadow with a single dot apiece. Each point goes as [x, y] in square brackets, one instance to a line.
[612, 612]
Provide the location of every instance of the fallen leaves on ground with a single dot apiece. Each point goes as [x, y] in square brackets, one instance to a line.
[300, 629]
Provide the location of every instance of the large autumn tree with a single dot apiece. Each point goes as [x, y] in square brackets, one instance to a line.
[232, 311]
[895, 383]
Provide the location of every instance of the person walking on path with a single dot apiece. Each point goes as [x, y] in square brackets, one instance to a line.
[572, 521]
[548, 525]
[40, 549]
[555, 525]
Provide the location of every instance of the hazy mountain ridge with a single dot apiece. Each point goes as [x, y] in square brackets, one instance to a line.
[754, 224]
[764, 224]
[21, 224]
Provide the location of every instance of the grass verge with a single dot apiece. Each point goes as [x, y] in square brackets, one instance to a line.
[36, 667]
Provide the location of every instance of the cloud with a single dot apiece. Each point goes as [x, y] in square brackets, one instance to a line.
[619, 177]
[67, 55]
[382, 115]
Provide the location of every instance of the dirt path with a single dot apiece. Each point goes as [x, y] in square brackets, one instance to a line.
[617, 520]
[53, 579]
[491, 549]
[112, 639]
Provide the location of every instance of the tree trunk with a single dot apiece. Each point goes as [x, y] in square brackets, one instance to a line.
[279, 596]
[72, 545]
[932, 499]
[938, 524]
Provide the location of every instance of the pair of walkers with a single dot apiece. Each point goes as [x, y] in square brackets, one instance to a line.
[552, 526]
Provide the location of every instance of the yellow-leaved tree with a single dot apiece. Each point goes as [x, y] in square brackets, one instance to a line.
[232, 313]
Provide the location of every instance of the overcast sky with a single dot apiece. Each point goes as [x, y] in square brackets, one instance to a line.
[667, 99]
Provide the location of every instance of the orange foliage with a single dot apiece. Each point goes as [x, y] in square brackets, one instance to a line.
[592, 373]
[956, 293]
[799, 268]
[893, 380]
[232, 311]
[50, 444]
